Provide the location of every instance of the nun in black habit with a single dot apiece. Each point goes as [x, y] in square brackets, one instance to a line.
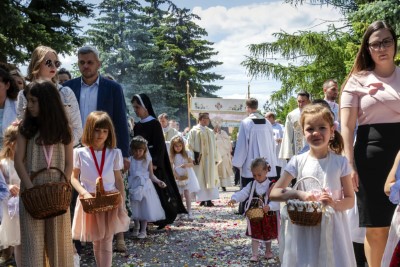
[149, 128]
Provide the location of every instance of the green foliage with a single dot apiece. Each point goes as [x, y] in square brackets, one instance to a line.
[27, 24]
[154, 47]
[307, 58]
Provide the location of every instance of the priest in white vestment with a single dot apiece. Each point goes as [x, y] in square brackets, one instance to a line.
[201, 141]
[168, 131]
[293, 139]
[255, 140]
[224, 149]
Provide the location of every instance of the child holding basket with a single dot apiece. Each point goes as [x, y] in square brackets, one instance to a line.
[266, 229]
[328, 243]
[99, 158]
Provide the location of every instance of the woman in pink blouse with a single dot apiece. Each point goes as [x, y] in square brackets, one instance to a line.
[371, 96]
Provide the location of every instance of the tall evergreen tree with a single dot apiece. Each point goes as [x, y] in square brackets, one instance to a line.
[155, 48]
[27, 24]
[189, 55]
[127, 49]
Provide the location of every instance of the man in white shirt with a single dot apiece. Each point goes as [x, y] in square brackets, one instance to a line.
[330, 88]
[278, 135]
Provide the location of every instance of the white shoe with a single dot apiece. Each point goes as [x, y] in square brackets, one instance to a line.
[142, 235]
[190, 216]
[77, 260]
[135, 232]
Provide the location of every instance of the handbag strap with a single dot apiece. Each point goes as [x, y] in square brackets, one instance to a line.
[103, 156]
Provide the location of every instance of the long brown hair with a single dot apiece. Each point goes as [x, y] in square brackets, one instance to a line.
[336, 144]
[363, 60]
[52, 122]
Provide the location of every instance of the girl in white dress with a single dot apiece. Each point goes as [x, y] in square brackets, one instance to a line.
[98, 158]
[329, 243]
[10, 234]
[259, 230]
[185, 176]
[145, 204]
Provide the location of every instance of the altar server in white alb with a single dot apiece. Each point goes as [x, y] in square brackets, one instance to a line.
[293, 140]
[255, 140]
[201, 142]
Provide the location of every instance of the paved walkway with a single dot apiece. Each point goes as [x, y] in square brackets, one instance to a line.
[216, 237]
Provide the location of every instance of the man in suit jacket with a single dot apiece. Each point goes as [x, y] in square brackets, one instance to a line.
[96, 93]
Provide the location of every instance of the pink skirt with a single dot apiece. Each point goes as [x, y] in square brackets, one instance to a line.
[92, 227]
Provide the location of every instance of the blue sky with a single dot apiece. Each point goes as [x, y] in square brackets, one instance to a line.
[234, 24]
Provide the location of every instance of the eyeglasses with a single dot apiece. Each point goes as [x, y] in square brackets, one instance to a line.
[49, 63]
[383, 44]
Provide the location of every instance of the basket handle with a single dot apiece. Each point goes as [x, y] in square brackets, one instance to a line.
[304, 178]
[259, 199]
[35, 174]
[99, 187]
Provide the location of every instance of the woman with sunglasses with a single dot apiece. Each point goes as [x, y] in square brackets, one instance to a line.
[44, 64]
[371, 96]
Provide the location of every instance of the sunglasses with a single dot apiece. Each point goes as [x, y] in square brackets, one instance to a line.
[49, 63]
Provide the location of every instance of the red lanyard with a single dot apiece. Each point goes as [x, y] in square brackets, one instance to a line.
[103, 156]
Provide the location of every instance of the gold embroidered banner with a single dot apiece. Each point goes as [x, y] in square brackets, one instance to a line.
[225, 112]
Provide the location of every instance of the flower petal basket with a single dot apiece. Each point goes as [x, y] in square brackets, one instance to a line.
[256, 213]
[47, 200]
[101, 200]
[305, 213]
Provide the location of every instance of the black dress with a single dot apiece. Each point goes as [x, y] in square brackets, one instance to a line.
[170, 198]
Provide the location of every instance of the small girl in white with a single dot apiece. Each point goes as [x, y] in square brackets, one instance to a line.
[183, 167]
[145, 204]
[329, 243]
[10, 234]
[266, 229]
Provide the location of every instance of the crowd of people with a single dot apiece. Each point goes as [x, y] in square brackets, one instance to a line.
[342, 157]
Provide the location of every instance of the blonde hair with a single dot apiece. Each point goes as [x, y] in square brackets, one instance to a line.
[336, 144]
[37, 58]
[9, 139]
[99, 120]
[175, 140]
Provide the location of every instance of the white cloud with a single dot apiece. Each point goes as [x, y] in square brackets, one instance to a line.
[233, 29]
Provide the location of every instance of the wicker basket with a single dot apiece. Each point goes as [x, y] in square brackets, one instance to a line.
[47, 200]
[305, 213]
[256, 213]
[101, 201]
[182, 180]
